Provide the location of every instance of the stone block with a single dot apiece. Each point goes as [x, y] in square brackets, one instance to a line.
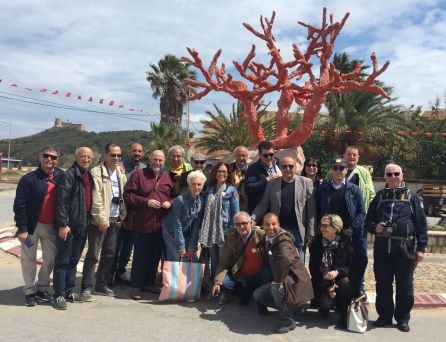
[436, 249]
[441, 241]
[443, 250]
[432, 241]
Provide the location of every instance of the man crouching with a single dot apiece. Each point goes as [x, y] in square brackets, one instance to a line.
[291, 285]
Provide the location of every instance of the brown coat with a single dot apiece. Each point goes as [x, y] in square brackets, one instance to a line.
[288, 268]
[232, 250]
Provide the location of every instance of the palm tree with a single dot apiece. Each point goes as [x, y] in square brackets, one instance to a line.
[167, 82]
[160, 137]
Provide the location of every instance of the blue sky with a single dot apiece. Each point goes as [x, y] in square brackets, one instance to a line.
[103, 49]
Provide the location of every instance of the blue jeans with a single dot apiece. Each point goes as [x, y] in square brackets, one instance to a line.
[253, 282]
[67, 257]
[273, 295]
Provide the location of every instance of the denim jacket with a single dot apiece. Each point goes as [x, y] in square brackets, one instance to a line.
[183, 221]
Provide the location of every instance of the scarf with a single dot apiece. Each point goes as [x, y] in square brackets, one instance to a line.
[212, 226]
[328, 253]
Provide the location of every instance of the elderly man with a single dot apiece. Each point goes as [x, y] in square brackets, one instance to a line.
[35, 216]
[148, 195]
[108, 212]
[73, 204]
[177, 165]
[359, 175]
[343, 198]
[239, 167]
[290, 287]
[260, 173]
[291, 198]
[396, 217]
[242, 267]
[199, 161]
[125, 236]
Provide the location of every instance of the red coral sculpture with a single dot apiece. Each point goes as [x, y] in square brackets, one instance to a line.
[295, 79]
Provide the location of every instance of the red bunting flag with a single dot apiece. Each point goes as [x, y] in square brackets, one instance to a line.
[111, 103]
[79, 97]
[131, 110]
[101, 101]
[29, 89]
[43, 90]
[90, 99]
[68, 94]
[121, 106]
[13, 85]
[55, 92]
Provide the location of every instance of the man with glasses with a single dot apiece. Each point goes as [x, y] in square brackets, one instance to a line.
[260, 173]
[108, 212]
[291, 198]
[344, 199]
[198, 161]
[239, 167]
[177, 165]
[73, 204]
[35, 217]
[396, 217]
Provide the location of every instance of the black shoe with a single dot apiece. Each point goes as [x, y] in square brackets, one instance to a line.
[286, 326]
[73, 298]
[60, 303]
[342, 323]
[105, 291]
[403, 326]
[244, 302]
[30, 300]
[85, 295]
[382, 322]
[262, 309]
[324, 313]
[44, 296]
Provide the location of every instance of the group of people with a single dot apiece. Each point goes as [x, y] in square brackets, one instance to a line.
[250, 224]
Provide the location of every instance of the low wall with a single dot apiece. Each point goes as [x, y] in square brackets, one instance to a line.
[436, 242]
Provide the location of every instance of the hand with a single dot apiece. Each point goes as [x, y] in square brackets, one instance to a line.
[275, 283]
[119, 224]
[215, 290]
[309, 239]
[22, 236]
[331, 275]
[272, 176]
[103, 226]
[332, 291]
[190, 253]
[419, 257]
[380, 227]
[182, 253]
[166, 205]
[64, 232]
[153, 203]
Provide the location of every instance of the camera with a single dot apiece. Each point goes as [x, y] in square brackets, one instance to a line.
[117, 200]
[389, 228]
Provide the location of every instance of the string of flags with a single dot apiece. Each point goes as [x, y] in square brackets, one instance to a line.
[90, 99]
[379, 132]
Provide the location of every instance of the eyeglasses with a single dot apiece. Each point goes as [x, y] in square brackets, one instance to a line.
[393, 174]
[52, 157]
[115, 155]
[241, 224]
[311, 165]
[200, 162]
[338, 168]
[286, 167]
[268, 155]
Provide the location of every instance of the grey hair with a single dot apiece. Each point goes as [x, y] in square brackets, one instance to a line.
[243, 213]
[393, 164]
[49, 148]
[239, 148]
[175, 148]
[195, 174]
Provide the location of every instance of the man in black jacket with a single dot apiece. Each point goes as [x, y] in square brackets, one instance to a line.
[35, 216]
[73, 203]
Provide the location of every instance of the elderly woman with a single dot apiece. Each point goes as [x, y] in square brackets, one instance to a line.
[183, 222]
[312, 170]
[330, 267]
[222, 203]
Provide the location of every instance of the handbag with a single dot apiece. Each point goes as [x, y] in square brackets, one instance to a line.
[357, 316]
[181, 281]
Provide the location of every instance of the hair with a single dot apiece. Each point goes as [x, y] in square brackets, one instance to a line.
[213, 174]
[176, 148]
[392, 164]
[239, 148]
[268, 215]
[110, 146]
[133, 143]
[265, 145]
[195, 174]
[49, 148]
[354, 147]
[242, 213]
[78, 150]
[151, 153]
[335, 221]
[310, 161]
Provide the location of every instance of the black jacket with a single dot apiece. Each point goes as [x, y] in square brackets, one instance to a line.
[30, 193]
[70, 200]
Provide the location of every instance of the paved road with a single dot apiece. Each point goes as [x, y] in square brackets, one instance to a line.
[6, 202]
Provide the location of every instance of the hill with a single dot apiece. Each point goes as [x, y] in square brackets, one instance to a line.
[67, 139]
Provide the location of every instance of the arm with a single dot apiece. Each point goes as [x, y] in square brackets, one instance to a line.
[372, 217]
[178, 236]
[97, 199]
[358, 220]
[254, 182]
[282, 261]
[310, 211]
[234, 207]
[23, 193]
[264, 206]
[420, 224]
[132, 196]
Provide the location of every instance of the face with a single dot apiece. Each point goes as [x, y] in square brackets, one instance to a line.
[48, 160]
[288, 168]
[84, 157]
[267, 157]
[351, 156]
[195, 187]
[176, 158]
[136, 152]
[338, 173]
[241, 157]
[222, 174]
[113, 157]
[271, 226]
[199, 165]
[311, 169]
[243, 225]
[157, 160]
[327, 230]
[393, 176]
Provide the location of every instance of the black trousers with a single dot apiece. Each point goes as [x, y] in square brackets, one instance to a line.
[387, 267]
[146, 257]
[342, 299]
[123, 251]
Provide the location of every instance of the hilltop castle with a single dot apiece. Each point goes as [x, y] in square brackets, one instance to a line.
[58, 123]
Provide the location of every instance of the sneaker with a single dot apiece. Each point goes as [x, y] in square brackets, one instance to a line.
[286, 326]
[262, 309]
[85, 295]
[136, 294]
[30, 300]
[44, 296]
[73, 298]
[105, 291]
[60, 303]
[123, 277]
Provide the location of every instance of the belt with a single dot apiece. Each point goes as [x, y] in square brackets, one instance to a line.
[395, 237]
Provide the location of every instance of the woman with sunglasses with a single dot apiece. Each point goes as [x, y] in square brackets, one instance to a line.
[312, 170]
[222, 203]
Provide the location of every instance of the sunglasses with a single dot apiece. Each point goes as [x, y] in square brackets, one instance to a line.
[268, 155]
[311, 165]
[46, 156]
[115, 155]
[286, 167]
[200, 161]
[338, 168]
[393, 174]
